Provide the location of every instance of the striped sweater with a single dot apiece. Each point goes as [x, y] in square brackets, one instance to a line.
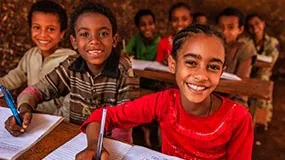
[114, 85]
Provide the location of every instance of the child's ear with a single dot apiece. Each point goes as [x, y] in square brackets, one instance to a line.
[171, 64]
[62, 34]
[73, 42]
[115, 40]
[241, 29]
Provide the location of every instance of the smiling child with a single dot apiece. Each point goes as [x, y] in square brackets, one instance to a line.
[195, 123]
[96, 78]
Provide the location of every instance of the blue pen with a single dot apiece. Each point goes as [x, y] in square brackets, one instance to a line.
[11, 104]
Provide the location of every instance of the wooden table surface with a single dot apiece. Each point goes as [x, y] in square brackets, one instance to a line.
[247, 86]
[262, 64]
[57, 137]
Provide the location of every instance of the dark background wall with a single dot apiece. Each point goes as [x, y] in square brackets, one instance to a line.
[15, 36]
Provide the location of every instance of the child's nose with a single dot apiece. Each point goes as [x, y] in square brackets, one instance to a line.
[201, 75]
[43, 33]
[94, 40]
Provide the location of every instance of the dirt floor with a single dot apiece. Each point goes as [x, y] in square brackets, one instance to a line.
[270, 144]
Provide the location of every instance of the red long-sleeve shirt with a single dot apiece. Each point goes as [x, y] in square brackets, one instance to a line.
[164, 48]
[226, 134]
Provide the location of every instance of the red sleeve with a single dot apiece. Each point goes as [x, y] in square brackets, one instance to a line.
[160, 54]
[240, 146]
[129, 114]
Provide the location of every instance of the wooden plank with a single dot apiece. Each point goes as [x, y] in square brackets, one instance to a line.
[262, 64]
[247, 86]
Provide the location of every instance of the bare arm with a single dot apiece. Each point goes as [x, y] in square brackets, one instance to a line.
[244, 68]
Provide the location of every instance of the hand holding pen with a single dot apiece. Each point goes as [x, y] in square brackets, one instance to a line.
[95, 149]
[18, 122]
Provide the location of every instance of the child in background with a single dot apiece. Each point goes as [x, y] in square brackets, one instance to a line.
[47, 21]
[267, 46]
[144, 44]
[195, 123]
[180, 17]
[239, 55]
[200, 18]
[96, 78]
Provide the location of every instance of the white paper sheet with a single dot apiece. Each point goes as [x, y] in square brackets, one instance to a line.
[263, 58]
[118, 150]
[69, 150]
[142, 153]
[11, 147]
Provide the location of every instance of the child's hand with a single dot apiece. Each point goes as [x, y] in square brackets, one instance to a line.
[11, 124]
[90, 154]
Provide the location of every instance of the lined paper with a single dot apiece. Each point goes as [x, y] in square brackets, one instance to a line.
[11, 147]
[69, 150]
[118, 150]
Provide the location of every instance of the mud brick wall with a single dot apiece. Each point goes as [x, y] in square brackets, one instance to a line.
[15, 36]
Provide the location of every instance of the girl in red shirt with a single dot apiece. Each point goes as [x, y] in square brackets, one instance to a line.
[195, 123]
[179, 17]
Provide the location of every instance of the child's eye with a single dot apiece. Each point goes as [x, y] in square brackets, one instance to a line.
[35, 27]
[214, 67]
[84, 34]
[51, 29]
[103, 34]
[191, 63]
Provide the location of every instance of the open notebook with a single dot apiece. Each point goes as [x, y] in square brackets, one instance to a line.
[118, 150]
[154, 65]
[12, 147]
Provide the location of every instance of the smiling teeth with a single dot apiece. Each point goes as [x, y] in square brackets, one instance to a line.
[198, 88]
[43, 42]
[95, 52]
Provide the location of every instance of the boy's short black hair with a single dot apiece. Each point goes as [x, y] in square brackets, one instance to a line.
[198, 14]
[231, 11]
[178, 5]
[92, 7]
[49, 6]
[141, 13]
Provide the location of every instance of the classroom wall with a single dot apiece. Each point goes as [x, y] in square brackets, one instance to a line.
[15, 37]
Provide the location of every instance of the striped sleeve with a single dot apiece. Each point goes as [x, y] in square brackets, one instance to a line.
[128, 84]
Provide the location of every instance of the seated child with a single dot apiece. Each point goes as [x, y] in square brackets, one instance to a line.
[200, 18]
[180, 17]
[195, 123]
[48, 22]
[267, 46]
[96, 78]
[144, 44]
[239, 55]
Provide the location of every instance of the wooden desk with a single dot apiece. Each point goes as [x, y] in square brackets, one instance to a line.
[57, 137]
[262, 64]
[247, 87]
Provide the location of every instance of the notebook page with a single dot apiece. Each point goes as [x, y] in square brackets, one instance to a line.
[140, 64]
[142, 153]
[230, 76]
[264, 58]
[68, 151]
[11, 147]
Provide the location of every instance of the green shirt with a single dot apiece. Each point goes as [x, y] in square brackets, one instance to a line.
[140, 50]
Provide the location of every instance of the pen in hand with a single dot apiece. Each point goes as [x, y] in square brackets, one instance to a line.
[11, 104]
[101, 134]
